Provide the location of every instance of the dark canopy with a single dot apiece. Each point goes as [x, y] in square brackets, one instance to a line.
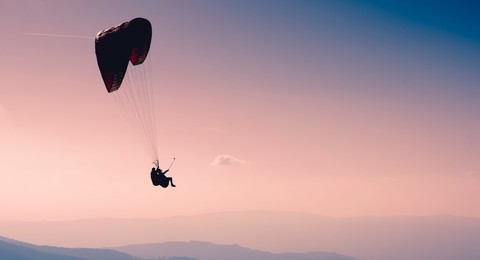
[116, 46]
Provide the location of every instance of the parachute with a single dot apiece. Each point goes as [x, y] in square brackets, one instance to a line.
[121, 52]
[116, 46]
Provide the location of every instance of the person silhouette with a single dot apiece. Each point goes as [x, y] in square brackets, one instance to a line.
[159, 178]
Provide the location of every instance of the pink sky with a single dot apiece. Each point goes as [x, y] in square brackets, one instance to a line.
[320, 125]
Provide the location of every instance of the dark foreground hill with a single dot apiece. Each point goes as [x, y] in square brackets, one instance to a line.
[16, 250]
[209, 251]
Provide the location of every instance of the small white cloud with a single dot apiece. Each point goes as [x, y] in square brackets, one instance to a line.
[227, 160]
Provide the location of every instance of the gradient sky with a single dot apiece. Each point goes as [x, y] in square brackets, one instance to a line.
[341, 108]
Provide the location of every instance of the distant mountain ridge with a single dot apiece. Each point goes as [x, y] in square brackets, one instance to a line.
[209, 251]
[398, 237]
[193, 250]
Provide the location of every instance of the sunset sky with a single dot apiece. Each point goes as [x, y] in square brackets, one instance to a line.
[340, 108]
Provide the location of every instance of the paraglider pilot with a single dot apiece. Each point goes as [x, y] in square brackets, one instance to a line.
[159, 178]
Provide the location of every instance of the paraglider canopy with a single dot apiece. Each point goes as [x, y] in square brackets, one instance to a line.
[116, 46]
[130, 85]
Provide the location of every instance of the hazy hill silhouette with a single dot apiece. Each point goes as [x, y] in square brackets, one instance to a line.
[209, 251]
